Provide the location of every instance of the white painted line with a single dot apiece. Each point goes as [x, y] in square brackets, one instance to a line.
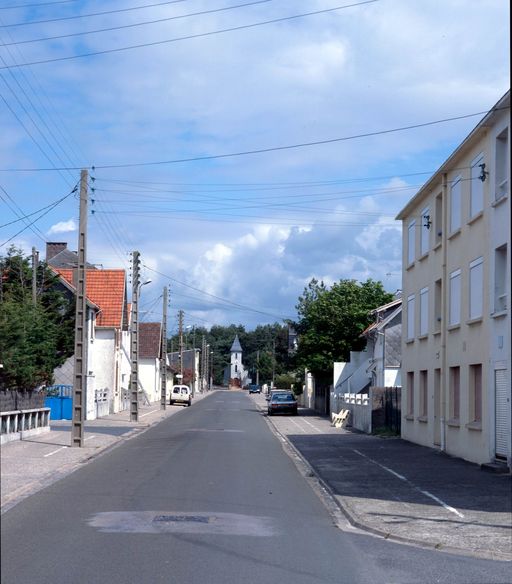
[298, 425]
[402, 478]
[89, 437]
[310, 424]
[147, 413]
[54, 451]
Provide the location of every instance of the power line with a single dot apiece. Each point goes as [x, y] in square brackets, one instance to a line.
[263, 150]
[75, 16]
[229, 302]
[41, 216]
[14, 6]
[136, 24]
[29, 214]
[194, 36]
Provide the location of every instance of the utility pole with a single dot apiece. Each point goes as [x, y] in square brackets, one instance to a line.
[273, 361]
[203, 355]
[163, 354]
[180, 332]
[134, 344]
[257, 367]
[35, 263]
[208, 367]
[80, 368]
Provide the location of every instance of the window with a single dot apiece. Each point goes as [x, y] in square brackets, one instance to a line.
[236, 368]
[426, 222]
[455, 291]
[410, 393]
[424, 311]
[455, 392]
[411, 242]
[476, 201]
[475, 393]
[455, 204]
[438, 298]
[500, 279]
[410, 316]
[439, 218]
[424, 393]
[476, 288]
[501, 172]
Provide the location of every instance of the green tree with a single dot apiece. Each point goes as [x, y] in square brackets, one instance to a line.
[34, 339]
[331, 321]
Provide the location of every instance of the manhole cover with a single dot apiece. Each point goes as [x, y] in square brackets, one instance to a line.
[182, 519]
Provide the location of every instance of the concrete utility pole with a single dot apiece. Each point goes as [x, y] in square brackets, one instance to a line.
[273, 361]
[257, 367]
[134, 344]
[180, 332]
[163, 354]
[35, 263]
[80, 368]
[203, 361]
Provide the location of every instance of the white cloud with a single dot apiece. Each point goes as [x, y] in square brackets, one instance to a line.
[63, 227]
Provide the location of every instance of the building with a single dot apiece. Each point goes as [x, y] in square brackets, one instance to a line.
[191, 372]
[150, 341]
[108, 336]
[456, 299]
[235, 374]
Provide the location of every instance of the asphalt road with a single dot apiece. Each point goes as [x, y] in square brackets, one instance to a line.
[206, 496]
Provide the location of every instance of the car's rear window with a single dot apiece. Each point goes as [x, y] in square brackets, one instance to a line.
[283, 397]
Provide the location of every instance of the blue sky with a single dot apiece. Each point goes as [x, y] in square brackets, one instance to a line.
[251, 230]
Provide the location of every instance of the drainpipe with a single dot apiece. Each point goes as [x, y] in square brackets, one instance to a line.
[444, 315]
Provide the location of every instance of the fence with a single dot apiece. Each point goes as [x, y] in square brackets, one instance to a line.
[375, 412]
[12, 400]
[16, 425]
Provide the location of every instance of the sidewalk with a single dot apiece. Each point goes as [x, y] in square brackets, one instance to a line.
[402, 491]
[29, 465]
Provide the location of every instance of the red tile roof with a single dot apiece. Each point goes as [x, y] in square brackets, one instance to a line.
[149, 340]
[106, 288]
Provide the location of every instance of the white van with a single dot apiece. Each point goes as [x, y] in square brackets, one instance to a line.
[181, 394]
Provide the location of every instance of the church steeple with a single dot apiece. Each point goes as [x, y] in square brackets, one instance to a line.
[236, 347]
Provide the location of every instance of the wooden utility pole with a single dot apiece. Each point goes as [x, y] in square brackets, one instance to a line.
[35, 263]
[163, 354]
[80, 368]
[180, 332]
[134, 344]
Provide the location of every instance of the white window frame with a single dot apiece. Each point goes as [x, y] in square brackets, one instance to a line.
[424, 311]
[411, 309]
[501, 164]
[456, 204]
[455, 297]
[476, 197]
[476, 288]
[411, 242]
[426, 219]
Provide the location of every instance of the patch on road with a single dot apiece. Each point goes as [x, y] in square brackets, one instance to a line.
[177, 522]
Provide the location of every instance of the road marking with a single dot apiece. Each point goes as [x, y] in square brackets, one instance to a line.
[147, 413]
[298, 425]
[310, 424]
[402, 478]
[89, 437]
[54, 451]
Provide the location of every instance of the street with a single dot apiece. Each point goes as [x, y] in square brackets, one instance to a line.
[207, 495]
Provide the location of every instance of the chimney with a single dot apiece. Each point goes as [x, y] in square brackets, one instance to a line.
[53, 248]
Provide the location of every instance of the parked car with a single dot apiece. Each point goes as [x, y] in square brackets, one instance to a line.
[181, 394]
[282, 402]
[274, 391]
[254, 388]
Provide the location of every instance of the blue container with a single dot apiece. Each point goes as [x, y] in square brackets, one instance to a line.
[60, 407]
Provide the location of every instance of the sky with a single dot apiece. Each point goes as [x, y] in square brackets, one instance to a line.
[168, 133]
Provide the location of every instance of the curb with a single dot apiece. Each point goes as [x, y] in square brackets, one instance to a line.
[355, 521]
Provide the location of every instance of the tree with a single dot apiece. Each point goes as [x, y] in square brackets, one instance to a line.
[34, 339]
[331, 321]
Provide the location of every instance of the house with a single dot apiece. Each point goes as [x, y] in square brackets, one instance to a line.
[368, 372]
[456, 293]
[191, 373]
[108, 350]
[150, 340]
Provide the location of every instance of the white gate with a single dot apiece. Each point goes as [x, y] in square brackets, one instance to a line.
[502, 408]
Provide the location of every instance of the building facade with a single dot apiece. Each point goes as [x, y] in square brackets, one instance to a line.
[456, 300]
